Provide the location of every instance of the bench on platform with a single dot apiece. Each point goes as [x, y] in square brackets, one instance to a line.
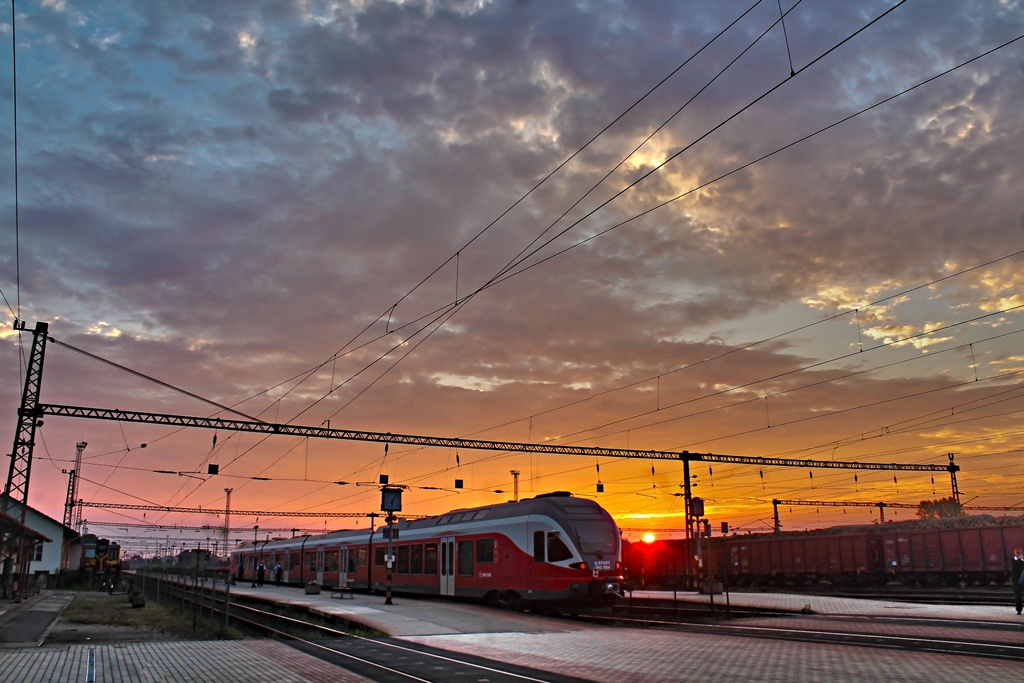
[341, 592]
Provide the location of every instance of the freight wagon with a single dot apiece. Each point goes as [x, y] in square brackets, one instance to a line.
[974, 549]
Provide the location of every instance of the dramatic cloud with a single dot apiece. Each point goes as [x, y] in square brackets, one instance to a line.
[799, 244]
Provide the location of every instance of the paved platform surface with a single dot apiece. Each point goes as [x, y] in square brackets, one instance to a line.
[239, 661]
[598, 653]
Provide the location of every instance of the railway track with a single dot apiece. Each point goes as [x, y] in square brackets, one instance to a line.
[977, 595]
[384, 659]
[984, 640]
[359, 650]
[971, 595]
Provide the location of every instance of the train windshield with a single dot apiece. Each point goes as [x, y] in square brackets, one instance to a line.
[596, 533]
[597, 537]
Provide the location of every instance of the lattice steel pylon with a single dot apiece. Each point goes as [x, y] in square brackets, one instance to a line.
[15, 544]
[71, 520]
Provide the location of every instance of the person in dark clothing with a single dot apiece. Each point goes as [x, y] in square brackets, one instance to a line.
[261, 573]
[241, 570]
[277, 574]
[1016, 576]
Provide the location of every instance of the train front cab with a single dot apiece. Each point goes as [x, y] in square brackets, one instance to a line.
[576, 553]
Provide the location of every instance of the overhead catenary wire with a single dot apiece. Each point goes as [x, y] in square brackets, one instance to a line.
[451, 309]
[508, 273]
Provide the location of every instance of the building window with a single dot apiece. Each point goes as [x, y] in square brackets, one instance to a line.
[37, 555]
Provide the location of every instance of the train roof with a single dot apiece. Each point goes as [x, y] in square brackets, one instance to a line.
[557, 501]
[554, 503]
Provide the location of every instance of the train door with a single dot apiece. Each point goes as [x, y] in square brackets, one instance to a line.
[538, 546]
[343, 568]
[447, 565]
[320, 566]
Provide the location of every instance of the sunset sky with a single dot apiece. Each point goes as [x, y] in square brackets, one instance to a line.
[671, 225]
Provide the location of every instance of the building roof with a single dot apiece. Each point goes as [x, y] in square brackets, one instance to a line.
[11, 525]
[67, 532]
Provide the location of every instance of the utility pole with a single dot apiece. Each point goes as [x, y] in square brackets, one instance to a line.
[515, 484]
[227, 516]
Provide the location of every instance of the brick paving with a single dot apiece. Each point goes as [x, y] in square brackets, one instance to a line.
[266, 661]
[645, 656]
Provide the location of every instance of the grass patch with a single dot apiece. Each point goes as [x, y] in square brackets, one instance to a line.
[114, 610]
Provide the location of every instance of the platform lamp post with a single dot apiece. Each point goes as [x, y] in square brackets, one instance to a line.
[369, 554]
[390, 503]
[696, 512]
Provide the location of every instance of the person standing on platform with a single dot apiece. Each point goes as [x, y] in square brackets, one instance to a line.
[1017, 575]
[277, 574]
[261, 573]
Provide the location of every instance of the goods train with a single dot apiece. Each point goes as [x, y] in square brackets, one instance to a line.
[975, 549]
[551, 551]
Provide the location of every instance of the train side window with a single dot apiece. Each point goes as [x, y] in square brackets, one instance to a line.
[403, 559]
[311, 560]
[557, 549]
[331, 560]
[538, 546]
[416, 559]
[378, 556]
[361, 557]
[485, 551]
[465, 558]
[430, 559]
[294, 560]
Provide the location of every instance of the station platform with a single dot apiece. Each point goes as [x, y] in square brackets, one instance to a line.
[567, 647]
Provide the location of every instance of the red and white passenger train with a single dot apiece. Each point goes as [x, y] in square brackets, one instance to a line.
[552, 551]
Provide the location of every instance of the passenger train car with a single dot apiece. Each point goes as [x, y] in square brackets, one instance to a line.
[553, 550]
[970, 549]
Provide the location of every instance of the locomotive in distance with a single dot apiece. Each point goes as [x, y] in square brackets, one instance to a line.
[554, 551]
[90, 553]
[936, 552]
